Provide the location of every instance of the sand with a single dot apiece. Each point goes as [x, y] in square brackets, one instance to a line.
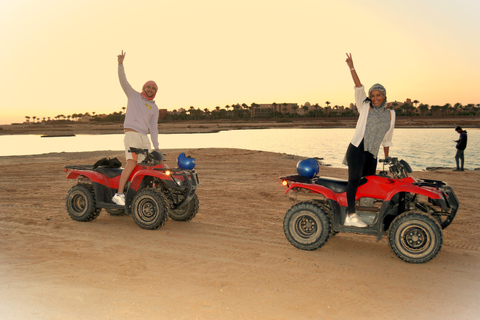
[232, 261]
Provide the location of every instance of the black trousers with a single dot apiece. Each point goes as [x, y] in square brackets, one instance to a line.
[360, 164]
[460, 155]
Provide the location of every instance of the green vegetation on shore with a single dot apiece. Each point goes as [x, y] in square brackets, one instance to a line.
[254, 111]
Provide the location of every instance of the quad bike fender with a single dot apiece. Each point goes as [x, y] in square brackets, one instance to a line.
[91, 175]
[314, 188]
[137, 178]
[432, 193]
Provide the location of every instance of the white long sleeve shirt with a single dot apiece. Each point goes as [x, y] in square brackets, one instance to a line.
[363, 109]
[141, 114]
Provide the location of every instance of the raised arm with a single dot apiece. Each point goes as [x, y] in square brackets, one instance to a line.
[121, 57]
[355, 78]
[127, 88]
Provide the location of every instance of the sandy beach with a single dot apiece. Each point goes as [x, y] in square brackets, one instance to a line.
[231, 262]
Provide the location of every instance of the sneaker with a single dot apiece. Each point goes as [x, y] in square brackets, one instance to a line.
[119, 198]
[354, 220]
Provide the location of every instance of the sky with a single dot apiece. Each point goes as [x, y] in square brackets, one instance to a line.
[60, 57]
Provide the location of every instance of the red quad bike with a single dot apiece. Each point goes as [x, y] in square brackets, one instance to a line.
[153, 192]
[412, 212]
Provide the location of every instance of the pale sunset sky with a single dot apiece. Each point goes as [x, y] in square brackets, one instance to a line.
[60, 57]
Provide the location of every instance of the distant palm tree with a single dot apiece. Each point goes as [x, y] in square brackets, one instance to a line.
[423, 109]
[285, 105]
[295, 107]
[316, 107]
[305, 109]
[274, 109]
[191, 111]
[236, 107]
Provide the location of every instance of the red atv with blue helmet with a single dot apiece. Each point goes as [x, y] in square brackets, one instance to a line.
[411, 212]
[153, 192]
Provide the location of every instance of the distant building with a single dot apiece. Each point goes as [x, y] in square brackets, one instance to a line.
[85, 118]
[262, 110]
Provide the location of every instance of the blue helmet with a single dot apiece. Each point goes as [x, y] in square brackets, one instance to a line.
[185, 162]
[308, 168]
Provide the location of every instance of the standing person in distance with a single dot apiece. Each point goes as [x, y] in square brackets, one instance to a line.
[375, 126]
[141, 118]
[461, 146]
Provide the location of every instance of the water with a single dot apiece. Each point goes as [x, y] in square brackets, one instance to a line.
[421, 148]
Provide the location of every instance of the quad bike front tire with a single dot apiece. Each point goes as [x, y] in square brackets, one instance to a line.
[187, 213]
[307, 226]
[150, 209]
[443, 220]
[415, 237]
[80, 202]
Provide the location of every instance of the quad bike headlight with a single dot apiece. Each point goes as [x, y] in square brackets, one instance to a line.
[178, 181]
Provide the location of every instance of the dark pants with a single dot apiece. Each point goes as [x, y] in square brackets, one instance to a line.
[360, 164]
[459, 157]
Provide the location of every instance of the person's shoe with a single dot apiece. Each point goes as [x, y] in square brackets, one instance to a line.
[353, 220]
[119, 198]
[457, 170]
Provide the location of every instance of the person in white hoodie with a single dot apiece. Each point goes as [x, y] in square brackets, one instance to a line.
[375, 126]
[141, 117]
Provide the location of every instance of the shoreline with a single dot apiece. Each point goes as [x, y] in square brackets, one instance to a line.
[212, 126]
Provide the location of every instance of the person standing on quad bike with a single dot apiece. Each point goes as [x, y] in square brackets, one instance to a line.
[374, 127]
[140, 118]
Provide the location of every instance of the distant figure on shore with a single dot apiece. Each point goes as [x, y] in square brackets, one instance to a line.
[461, 146]
[374, 127]
[141, 118]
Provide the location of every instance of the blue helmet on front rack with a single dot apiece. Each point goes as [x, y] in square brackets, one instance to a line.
[184, 162]
[308, 168]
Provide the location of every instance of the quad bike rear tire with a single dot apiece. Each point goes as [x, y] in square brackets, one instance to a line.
[80, 202]
[150, 209]
[307, 226]
[187, 213]
[415, 237]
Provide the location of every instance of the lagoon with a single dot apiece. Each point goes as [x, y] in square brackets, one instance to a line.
[421, 148]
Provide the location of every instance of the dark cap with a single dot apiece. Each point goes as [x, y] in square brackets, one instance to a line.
[458, 128]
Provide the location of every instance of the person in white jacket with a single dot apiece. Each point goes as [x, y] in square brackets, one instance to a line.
[375, 126]
[141, 118]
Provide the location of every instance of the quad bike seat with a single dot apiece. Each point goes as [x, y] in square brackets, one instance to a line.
[109, 167]
[336, 185]
[109, 172]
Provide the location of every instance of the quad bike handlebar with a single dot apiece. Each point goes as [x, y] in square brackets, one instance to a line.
[399, 168]
[153, 158]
